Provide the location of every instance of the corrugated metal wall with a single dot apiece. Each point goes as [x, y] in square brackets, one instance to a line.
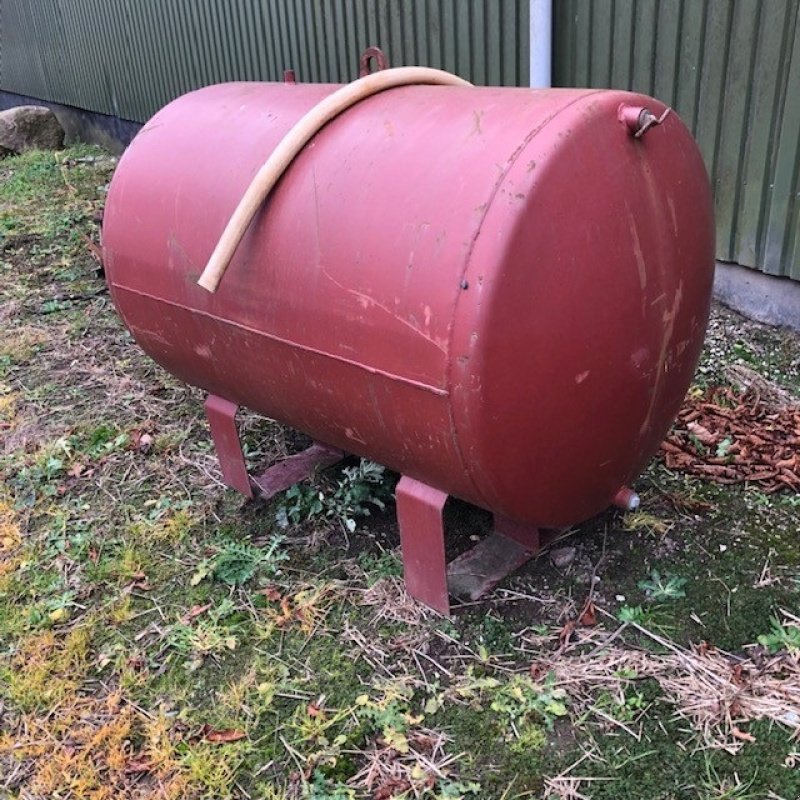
[130, 57]
[731, 68]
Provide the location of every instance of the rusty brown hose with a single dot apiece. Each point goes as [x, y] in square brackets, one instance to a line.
[295, 140]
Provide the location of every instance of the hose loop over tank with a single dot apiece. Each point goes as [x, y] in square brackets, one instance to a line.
[294, 142]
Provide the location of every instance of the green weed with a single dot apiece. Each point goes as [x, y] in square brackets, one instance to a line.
[360, 488]
[321, 788]
[782, 636]
[378, 567]
[237, 562]
[667, 587]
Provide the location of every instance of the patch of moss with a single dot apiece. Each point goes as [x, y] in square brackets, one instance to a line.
[480, 736]
[664, 764]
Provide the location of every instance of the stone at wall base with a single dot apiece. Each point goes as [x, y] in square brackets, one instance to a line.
[765, 298]
[30, 128]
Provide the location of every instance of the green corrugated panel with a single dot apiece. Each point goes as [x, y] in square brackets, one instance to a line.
[130, 57]
[731, 68]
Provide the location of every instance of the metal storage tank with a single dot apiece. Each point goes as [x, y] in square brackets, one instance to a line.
[499, 293]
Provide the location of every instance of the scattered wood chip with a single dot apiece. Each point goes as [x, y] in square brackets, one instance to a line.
[743, 736]
[194, 612]
[733, 437]
[224, 736]
[588, 616]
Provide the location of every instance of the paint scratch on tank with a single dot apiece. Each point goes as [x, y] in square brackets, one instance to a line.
[581, 377]
[152, 335]
[637, 251]
[316, 213]
[673, 217]
[376, 406]
[668, 319]
[366, 301]
[354, 436]
[181, 257]
[639, 358]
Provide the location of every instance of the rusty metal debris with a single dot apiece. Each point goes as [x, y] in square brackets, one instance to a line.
[733, 437]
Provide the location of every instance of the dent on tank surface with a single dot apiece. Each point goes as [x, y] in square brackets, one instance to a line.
[499, 293]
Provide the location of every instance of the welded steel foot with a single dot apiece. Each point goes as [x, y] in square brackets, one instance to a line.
[473, 574]
[280, 476]
[283, 474]
[527, 536]
[478, 571]
[221, 415]
[419, 515]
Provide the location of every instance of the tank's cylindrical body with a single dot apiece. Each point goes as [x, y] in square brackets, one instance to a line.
[499, 292]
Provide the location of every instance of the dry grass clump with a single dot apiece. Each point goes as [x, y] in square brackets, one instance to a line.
[718, 693]
[46, 668]
[10, 538]
[8, 408]
[390, 773]
[21, 343]
[95, 747]
[568, 785]
[392, 603]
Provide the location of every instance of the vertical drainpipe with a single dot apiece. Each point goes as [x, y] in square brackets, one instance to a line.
[541, 38]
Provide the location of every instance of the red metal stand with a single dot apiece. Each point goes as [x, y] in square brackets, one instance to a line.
[420, 507]
[221, 415]
[419, 515]
[473, 574]
[283, 474]
[526, 536]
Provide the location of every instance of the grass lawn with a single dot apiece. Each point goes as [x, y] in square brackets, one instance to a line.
[160, 637]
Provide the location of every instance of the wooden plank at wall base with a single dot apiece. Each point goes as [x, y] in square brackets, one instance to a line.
[731, 69]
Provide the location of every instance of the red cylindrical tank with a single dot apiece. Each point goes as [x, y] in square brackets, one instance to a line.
[499, 292]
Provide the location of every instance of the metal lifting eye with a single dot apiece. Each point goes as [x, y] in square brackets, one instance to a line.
[371, 54]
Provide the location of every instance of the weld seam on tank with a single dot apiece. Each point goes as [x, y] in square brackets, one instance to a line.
[425, 387]
[466, 464]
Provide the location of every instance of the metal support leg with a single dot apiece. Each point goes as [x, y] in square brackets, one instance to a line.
[221, 415]
[419, 515]
[280, 476]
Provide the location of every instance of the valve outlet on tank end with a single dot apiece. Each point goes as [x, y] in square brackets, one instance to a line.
[626, 499]
[639, 119]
